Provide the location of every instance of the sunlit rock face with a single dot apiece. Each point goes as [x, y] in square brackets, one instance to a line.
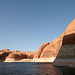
[51, 50]
[40, 50]
[66, 55]
[48, 51]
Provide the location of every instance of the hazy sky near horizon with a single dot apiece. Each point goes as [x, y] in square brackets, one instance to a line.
[26, 24]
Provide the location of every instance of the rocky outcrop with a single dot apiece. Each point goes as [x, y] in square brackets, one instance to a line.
[40, 50]
[48, 51]
[66, 55]
[30, 55]
[20, 56]
[4, 53]
[16, 56]
[51, 50]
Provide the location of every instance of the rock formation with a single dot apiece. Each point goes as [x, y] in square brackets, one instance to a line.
[16, 56]
[48, 51]
[66, 55]
[51, 50]
[38, 53]
[4, 53]
[20, 56]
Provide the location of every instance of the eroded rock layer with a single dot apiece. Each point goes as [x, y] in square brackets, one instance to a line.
[66, 55]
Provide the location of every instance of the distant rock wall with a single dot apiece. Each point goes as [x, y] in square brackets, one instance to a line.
[12, 56]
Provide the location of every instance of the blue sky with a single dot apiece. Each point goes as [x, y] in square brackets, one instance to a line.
[26, 24]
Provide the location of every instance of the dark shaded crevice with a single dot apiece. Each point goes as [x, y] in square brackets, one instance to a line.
[3, 56]
[69, 39]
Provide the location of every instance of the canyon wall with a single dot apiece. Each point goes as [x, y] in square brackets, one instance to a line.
[66, 55]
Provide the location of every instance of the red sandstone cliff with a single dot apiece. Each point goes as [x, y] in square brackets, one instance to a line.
[51, 49]
[66, 55]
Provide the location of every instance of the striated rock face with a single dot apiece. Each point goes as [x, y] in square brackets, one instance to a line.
[66, 55]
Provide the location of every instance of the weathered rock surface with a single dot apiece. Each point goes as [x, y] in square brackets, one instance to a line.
[30, 55]
[17, 55]
[48, 51]
[52, 49]
[20, 56]
[14, 56]
[38, 53]
[66, 55]
[71, 28]
[4, 53]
